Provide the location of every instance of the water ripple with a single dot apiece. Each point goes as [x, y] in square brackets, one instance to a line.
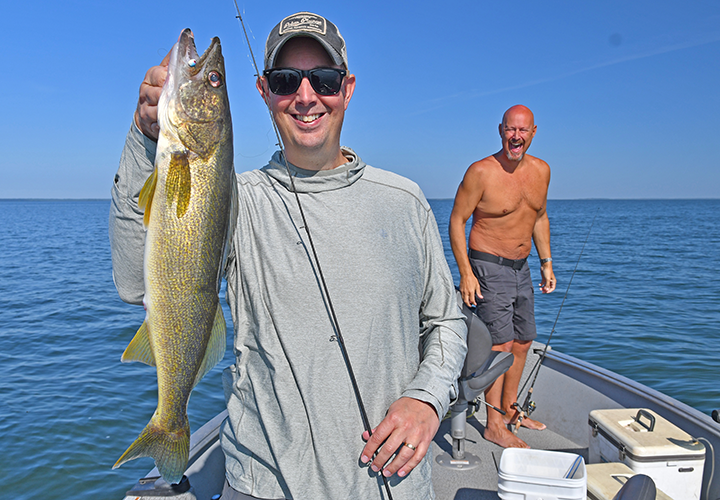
[644, 303]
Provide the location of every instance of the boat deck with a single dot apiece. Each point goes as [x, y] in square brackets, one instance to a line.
[206, 468]
[481, 483]
[567, 389]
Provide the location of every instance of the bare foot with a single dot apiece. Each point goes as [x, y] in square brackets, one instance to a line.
[503, 437]
[525, 422]
[532, 424]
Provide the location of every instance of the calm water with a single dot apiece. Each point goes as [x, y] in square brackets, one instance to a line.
[644, 303]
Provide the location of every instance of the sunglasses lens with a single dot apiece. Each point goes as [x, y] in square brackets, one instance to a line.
[284, 81]
[326, 81]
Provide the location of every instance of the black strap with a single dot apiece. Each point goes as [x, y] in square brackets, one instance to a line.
[516, 264]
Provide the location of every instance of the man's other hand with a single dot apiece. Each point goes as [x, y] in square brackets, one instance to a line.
[408, 429]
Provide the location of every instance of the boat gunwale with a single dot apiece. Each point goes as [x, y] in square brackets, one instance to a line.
[583, 372]
[636, 388]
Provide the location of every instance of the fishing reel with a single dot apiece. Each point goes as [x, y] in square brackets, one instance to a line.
[530, 408]
[527, 410]
[524, 412]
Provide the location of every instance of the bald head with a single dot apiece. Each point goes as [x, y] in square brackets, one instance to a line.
[520, 111]
[517, 131]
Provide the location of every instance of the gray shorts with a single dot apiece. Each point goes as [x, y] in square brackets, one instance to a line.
[508, 304]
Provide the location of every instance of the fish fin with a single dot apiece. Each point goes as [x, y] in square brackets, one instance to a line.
[178, 182]
[169, 449]
[146, 195]
[216, 346]
[139, 348]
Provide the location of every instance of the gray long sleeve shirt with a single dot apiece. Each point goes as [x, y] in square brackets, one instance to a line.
[294, 428]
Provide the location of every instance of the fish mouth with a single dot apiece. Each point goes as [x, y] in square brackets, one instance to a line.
[195, 84]
[188, 52]
[187, 58]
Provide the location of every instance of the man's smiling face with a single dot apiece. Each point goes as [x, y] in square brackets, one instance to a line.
[309, 123]
[517, 131]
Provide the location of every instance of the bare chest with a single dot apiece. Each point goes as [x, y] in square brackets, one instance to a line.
[508, 194]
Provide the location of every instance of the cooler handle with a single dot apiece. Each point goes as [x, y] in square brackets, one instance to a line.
[650, 417]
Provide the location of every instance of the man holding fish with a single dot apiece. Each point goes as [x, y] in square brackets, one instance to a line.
[294, 428]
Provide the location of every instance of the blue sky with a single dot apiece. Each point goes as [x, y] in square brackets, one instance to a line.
[625, 93]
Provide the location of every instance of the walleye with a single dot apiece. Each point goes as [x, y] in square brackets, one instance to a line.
[188, 204]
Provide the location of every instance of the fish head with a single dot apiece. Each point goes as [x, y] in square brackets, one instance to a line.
[194, 107]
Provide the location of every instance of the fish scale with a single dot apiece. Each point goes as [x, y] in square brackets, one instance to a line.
[188, 202]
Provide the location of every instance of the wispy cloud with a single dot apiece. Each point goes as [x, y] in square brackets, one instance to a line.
[441, 102]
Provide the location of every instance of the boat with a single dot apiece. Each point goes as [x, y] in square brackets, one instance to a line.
[566, 390]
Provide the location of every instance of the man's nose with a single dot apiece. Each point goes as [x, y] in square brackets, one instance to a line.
[305, 92]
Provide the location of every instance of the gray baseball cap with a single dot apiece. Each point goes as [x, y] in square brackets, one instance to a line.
[309, 25]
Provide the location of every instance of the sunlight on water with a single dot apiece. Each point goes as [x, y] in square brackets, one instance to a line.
[68, 407]
[644, 303]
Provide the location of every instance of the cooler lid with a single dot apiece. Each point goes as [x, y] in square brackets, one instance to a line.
[646, 435]
[605, 480]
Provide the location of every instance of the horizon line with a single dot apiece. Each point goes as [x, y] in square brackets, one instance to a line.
[428, 198]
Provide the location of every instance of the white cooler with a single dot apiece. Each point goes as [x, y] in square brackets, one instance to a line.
[650, 445]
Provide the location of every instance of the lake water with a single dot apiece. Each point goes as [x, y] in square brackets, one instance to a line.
[645, 303]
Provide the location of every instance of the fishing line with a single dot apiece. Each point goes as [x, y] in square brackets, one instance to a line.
[334, 320]
[526, 407]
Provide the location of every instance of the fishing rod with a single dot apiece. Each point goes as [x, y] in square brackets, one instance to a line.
[529, 406]
[326, 291]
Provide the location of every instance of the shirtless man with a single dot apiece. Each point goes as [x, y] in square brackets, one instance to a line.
[506, 194]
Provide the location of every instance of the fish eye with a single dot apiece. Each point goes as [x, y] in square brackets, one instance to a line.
[215, 79]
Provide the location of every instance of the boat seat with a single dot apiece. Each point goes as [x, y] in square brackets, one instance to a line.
[638, 487]
[482, 367]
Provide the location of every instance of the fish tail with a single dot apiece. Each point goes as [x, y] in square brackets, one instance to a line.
[169, 449]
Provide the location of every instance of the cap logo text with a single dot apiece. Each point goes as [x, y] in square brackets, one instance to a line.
[303, 21]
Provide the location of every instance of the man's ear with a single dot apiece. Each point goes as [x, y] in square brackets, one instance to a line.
[261, 85]
[348, 89]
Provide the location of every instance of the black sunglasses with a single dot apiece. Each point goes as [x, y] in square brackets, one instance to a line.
[286, 81]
